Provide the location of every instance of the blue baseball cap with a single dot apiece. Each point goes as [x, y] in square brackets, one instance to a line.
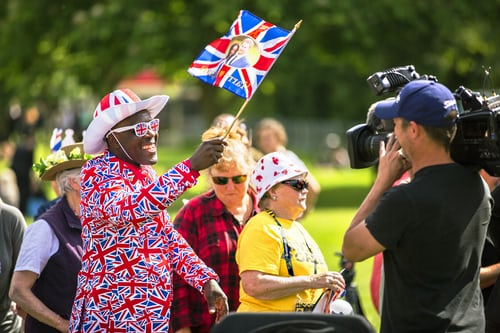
[425, 102]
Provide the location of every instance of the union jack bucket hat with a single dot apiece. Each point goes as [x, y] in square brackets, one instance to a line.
[113, 108]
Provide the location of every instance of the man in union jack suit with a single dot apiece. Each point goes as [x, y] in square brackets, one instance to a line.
[130, 248]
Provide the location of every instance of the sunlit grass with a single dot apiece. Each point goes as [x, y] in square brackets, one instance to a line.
[327, 227]
[342, 192]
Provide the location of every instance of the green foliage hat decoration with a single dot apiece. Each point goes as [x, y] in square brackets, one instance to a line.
[68, 157]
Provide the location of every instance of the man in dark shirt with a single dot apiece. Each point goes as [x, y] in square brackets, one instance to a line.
[430, 230]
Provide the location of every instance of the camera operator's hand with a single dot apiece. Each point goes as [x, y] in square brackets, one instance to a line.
[392, 163]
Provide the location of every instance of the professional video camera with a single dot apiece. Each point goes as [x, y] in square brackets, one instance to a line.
[476, 142]
[363, 140]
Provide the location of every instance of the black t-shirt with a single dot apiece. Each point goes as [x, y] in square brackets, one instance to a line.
[489, 257]
[493, 305]
[494, 227]
[433, 229]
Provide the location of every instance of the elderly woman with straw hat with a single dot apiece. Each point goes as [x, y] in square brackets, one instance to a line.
[44, 280]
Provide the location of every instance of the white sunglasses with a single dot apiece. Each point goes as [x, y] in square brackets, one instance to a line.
[140, 129]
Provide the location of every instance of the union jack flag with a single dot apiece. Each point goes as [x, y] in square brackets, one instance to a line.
[56, 139]
[239, 60]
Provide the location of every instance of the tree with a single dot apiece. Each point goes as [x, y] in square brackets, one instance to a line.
[83, 48]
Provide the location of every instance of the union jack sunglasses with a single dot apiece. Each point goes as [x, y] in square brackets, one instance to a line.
[140, 129]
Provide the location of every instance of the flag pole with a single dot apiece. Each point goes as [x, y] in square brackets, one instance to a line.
[236, 118]
[296, 26]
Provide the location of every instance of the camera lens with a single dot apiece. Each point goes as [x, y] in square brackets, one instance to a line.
[371, 145]
[363, 144]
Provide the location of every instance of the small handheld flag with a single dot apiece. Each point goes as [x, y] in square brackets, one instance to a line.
[239, 60]
[56, 139]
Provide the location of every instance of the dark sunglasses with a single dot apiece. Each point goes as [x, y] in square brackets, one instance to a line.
[140, 129]
[224, 180]
[297, 184]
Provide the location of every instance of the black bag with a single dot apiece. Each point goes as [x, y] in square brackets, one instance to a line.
[291, 322]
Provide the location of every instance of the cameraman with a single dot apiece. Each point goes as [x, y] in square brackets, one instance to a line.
[431, 230]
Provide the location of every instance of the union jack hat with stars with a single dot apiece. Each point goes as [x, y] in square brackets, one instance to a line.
[272, 169]
[113, 108]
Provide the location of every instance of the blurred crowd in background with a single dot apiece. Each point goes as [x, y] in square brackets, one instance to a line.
[29, 131]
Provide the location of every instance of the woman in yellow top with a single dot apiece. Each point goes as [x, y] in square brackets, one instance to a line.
[281, 266]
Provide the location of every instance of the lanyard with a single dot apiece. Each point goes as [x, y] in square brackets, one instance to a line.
[287, 251]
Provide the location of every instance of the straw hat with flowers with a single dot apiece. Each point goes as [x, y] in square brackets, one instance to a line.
[68, 157]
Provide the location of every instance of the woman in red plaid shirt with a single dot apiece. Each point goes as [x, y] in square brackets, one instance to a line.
[211, 223]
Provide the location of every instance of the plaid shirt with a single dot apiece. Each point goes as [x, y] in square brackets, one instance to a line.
[212, 232]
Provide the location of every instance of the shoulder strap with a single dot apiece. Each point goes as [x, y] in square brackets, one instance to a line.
[287, 254]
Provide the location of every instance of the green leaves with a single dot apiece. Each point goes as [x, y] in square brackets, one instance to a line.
[54, 49]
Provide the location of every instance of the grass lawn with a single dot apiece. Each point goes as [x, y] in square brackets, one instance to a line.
[342, 192]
